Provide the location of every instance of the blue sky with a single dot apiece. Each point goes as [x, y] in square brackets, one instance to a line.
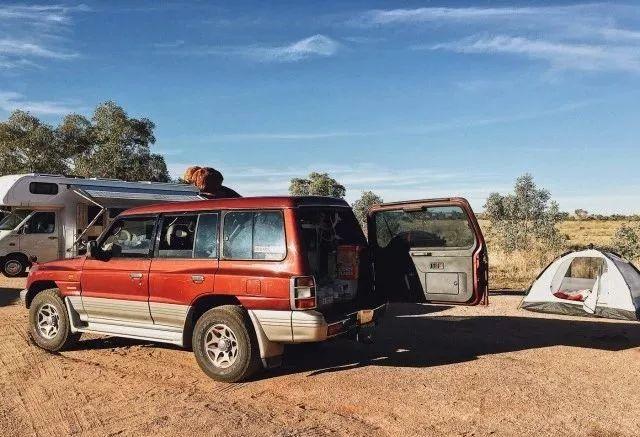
[409, 99]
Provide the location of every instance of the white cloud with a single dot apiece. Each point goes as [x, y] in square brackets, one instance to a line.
[11, 47]
[10, 101]
[586, 37]
[314, 46]
[30, 33]
[559, 55]
[545, 15]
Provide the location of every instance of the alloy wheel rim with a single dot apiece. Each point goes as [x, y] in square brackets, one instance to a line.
[48, 321]
[12, 267]
[221, 346]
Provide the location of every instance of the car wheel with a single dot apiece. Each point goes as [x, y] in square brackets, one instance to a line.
[49, 322]
[225, 346]
[14, 266]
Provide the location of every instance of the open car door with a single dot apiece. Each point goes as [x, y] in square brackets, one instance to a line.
[428, 251]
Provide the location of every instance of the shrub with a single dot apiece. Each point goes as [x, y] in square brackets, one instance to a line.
[626, 241]
[524, 219]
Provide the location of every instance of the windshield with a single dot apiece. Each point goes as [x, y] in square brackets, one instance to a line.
[13, 219]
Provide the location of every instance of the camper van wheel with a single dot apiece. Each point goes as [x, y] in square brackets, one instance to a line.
[14, 266]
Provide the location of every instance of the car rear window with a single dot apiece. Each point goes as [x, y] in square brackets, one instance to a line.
[434, 226]
[329, 224]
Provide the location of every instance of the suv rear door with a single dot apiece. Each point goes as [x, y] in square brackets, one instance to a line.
[428, 251]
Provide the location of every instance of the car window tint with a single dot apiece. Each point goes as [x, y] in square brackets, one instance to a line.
[41, 223]
[206, 245]
[129, 237]
[177, 236]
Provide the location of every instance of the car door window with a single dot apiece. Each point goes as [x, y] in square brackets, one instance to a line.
[129, 237]
[206, 245]
[41, 223]
[177, 236]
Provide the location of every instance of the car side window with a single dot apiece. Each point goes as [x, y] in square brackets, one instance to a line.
[177, 236]
[129, 237]
[41, 223]
[254, 235]
[206, 245]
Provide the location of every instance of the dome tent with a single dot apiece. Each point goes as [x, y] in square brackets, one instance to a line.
[587, 282]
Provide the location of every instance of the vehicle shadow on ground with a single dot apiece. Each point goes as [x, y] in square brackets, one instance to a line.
[411, 337]
[107, 342]
[416, 336]
[9, 296]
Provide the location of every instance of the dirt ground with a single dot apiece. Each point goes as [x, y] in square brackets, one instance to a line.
[434, 370]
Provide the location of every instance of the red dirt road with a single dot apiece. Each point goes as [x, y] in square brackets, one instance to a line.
[458, 371]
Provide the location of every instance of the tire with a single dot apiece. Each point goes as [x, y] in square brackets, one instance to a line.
[237, 356]
[49, 325]
[14, 266]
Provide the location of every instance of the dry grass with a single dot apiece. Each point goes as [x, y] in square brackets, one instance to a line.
[517, 270]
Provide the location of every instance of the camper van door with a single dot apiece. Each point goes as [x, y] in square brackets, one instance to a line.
[40, 236]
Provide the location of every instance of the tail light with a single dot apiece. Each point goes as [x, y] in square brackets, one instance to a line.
[303, 293]
[348, 261]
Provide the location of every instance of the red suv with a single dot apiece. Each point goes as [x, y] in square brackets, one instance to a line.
[237, 279]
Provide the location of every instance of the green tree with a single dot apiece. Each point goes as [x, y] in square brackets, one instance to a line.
[120, 147]
[524, 218]
[626, 241]
[317, 184]
[363, 204]
[110, 145]
[27, 145]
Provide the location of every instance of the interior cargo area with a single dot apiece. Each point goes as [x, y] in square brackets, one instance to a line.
[334, 245]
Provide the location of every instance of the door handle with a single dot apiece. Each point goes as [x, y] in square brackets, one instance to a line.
[53, 238]
[135, 275]
[197, 279]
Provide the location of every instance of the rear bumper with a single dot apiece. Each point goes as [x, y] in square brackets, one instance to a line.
[312, 326]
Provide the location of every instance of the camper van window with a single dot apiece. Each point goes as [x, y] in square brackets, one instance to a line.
[177, 236]
[13, 219]
[43, 222]
[132, 237]
[43, 188]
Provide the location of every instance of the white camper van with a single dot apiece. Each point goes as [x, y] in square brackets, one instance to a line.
[52, 216]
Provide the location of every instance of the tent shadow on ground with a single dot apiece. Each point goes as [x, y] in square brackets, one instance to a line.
[412, 338]
[9, 296]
